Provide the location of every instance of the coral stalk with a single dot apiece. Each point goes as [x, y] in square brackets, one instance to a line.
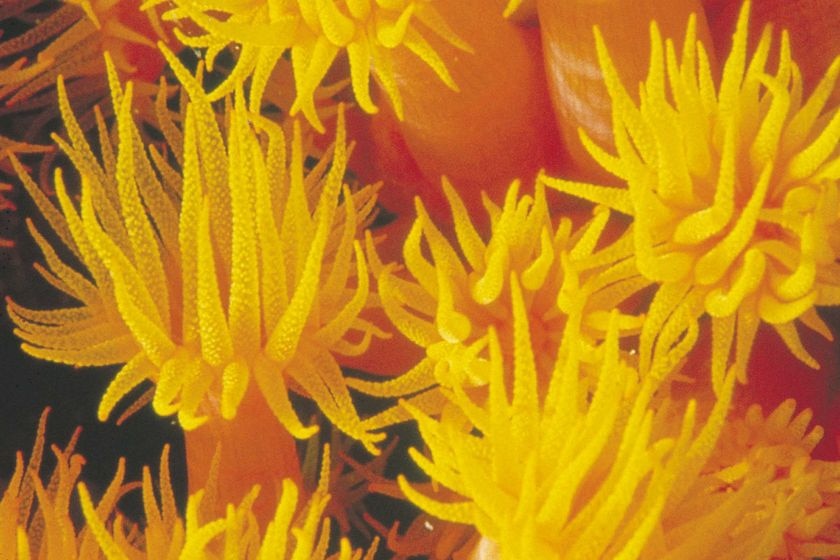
[503, 129]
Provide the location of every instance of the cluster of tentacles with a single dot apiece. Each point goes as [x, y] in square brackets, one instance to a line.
[458, 279]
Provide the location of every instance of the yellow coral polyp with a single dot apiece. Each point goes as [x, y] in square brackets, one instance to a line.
[453, 299]
[620, 469]
[760, 493]
[315, 32]
[205, 286]
[574, 471]
[35, 519]
[733, 189]
[295, 532]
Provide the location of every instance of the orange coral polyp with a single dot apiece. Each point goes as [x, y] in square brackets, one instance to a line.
[761, 473]
[488, 147]
[71, 42]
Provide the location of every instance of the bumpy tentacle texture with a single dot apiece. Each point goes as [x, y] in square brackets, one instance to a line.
[203, 287]
[734, 192]
[316, 32]
[453, 302]
[619, 469]
[573, 470]
[294, 532]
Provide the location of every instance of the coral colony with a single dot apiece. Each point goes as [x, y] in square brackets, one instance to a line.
[463, 279]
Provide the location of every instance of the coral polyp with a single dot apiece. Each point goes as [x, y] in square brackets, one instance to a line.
[552, 285]
[208, 284]
[315, 33]
[449, 303]
[733, 189]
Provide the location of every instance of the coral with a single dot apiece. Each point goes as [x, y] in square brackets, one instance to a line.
[452, 303]
[573, 471]
[69, 39]
[580, 370]
[733, 191]
[315, 33]
[295, 531]
[201, 309]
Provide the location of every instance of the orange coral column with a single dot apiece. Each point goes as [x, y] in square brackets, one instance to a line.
[578, 93]
[254, 449]
[496, 128]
